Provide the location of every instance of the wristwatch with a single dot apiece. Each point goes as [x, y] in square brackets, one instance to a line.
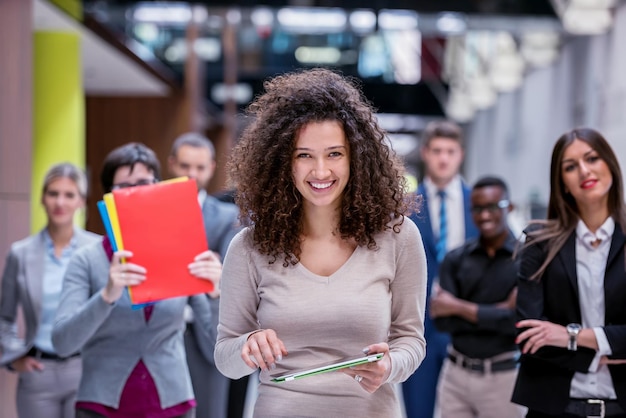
[573, 330]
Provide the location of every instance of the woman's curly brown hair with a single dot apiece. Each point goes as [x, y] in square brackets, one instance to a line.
[261, 163]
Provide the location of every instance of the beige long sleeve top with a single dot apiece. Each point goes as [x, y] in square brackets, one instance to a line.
[376, 296]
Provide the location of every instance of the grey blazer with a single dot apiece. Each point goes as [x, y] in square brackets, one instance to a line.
[113, 338]
[220, 226]
[22, 285]
[220, 223]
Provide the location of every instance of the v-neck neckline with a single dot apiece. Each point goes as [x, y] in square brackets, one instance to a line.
[328, 278]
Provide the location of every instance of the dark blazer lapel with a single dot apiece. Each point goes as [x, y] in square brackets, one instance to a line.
[211, 221]
[567, 256]
[617, 244]
[471, 230]
[425, 227]
[614, 276]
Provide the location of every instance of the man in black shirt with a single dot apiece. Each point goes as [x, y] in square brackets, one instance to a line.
[475, 303]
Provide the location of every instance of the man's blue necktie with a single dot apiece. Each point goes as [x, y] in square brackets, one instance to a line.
[443, 227]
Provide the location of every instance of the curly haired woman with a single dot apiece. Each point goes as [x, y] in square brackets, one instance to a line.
[329, 265]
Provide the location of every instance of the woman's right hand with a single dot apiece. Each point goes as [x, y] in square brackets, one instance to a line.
[263, 349]
[122, 275]
[27, 364]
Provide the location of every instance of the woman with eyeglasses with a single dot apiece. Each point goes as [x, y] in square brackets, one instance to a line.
[134, 361]
[572, 288]
[32, 280]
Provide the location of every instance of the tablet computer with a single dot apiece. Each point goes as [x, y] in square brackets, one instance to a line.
[326, 367]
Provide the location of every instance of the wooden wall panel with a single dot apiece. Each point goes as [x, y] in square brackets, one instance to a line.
[114, 121]
[15, 144]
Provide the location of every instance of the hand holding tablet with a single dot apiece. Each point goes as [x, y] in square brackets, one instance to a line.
[326, 367]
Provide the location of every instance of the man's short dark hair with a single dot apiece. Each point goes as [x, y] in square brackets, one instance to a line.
[192, 139]
[442, 129]
[492, 181]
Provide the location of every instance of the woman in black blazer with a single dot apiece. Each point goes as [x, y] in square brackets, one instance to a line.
[572, 288]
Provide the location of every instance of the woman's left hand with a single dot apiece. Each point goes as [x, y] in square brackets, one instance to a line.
[609, 361]
[539, 334]
[208, 266]
[372, 375]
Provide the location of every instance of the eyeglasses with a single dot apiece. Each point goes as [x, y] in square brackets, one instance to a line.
[143, 182]
[491, 207]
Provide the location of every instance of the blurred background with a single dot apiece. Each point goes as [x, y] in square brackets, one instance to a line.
[78, 78]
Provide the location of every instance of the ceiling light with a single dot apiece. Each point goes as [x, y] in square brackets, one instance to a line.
[540, 39]
[363, 21]
[505, 72]
[506, 82]
[262, 16]
[240, 93]
[233, 16]
[587, 21]
[591, 4]
[177, 51]
[405, 50]
[147, 32]
[539, 57]
[481, 93]
[397, 19]
[312, 20]
[199, 14]
[451, 23]
[539, 49]
[163, 13]
[317, 55]
[504, 42]
[208, 49]
[459, 107]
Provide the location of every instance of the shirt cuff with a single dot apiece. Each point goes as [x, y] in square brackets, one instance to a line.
[603, 343]
[604, 349]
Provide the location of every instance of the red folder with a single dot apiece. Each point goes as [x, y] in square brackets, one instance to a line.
[162, 225]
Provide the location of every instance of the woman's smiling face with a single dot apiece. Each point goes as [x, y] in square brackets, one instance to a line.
[321, 163]
[585, 175]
